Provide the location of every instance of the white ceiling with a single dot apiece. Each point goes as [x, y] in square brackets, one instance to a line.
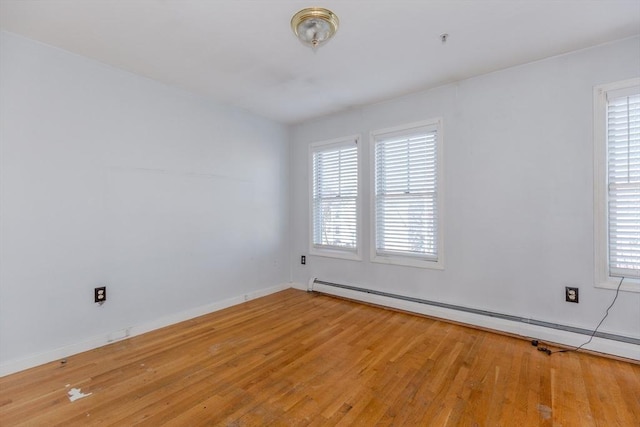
[243, 52]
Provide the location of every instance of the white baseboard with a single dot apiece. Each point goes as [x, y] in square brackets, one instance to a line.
[13, 366]
[541, 333]
[616, 348]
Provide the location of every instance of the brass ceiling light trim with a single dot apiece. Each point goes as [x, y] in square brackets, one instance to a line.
[314, 25]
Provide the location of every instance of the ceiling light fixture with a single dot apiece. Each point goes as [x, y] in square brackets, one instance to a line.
[314, 25]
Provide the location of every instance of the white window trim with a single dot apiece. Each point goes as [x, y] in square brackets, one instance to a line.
[407, 260]
[601, 251]
[336, 253]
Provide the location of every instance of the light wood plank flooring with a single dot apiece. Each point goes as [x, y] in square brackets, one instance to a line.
[296, 359]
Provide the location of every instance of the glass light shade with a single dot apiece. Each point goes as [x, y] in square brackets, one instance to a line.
[314, 25]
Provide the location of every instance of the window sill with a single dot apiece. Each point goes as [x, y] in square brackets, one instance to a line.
[408, 262]
[628, 285]
[334, 253]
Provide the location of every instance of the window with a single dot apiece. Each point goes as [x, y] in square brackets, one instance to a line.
[617, 184]
[334, 189]
[406, 206]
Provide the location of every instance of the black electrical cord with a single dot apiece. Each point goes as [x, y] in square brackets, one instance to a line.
[549, 352]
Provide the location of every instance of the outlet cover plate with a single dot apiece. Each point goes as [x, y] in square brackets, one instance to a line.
[100, 294]
[571, 294]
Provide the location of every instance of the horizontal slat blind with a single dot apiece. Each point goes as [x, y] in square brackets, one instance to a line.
[406, 194]
[623, 153]
[335, 193]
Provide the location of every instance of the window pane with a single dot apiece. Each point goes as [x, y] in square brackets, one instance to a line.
[335, 191]
[623, 161]
[406, 195]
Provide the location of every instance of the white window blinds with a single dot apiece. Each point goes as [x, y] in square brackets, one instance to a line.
[406, 186]
[335, 194]
[623, 166]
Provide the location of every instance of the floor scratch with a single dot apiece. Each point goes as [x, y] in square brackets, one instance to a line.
[545, 411]
[76, 393]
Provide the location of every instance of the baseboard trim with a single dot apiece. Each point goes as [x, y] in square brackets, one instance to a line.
[570, 339]
[13, 366]
[622, 349]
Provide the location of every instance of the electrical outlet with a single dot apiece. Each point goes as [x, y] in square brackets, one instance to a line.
[100, 294]
[571, 294]
[303, 259]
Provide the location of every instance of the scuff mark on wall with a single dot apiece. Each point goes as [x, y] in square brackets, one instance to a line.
[119, 335]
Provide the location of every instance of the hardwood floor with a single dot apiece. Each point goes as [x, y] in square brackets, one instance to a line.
[297, 359]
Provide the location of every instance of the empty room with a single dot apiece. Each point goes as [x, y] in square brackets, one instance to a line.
[340, 212]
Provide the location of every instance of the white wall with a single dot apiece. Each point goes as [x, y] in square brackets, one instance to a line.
[178, 203]
[172, 201]
[518, 191]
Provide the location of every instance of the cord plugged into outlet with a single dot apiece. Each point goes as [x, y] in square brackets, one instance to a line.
[536, 343]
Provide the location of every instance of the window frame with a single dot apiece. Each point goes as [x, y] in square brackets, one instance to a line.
[334, 252]
[399, 259]
[602, 279]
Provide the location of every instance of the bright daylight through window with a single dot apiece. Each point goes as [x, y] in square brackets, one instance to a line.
[617, 136]
[406, 205]
[335, 198]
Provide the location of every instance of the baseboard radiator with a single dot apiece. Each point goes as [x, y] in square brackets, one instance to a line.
[313, 288]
